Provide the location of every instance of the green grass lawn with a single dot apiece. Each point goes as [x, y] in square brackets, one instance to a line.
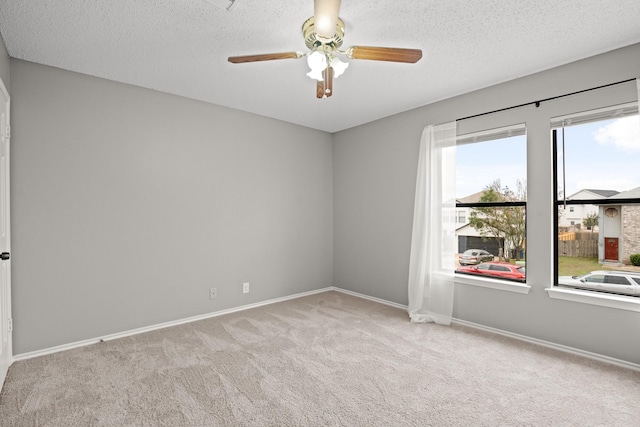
[568, 266]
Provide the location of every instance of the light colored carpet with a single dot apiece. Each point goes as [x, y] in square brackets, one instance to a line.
[324, 360]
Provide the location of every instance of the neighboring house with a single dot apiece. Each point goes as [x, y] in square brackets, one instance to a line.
[469, 237]
[463, 214]
[619, 232]
[574, 215]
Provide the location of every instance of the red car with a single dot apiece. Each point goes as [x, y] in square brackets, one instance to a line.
[502, 270]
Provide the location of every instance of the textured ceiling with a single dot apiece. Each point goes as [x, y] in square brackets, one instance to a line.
[181, 47]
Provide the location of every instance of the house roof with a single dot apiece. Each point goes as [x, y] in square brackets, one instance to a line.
[631, 194]
[603, 193]
[473, 198]
[598, 193]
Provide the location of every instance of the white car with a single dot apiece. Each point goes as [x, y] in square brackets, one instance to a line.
[474, 256]
[619, 282]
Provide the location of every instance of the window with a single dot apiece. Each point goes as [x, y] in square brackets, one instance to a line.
[596, 278]
[596, 158]
[618, 280]
[491, 170]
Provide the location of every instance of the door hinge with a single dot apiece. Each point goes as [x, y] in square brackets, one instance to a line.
[10, 325]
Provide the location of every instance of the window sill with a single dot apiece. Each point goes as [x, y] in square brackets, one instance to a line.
[621, 302]
[502, 285]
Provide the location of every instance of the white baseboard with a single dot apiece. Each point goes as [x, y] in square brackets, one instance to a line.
[367, 297]
[77, 344]
[548, 344]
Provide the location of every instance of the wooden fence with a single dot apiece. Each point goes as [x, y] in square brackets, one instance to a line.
[578, 248]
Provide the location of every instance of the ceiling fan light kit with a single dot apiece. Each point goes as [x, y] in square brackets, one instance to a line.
[321, 58]
[323, 35]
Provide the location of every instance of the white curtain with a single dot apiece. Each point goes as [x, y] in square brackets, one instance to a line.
[433, 242]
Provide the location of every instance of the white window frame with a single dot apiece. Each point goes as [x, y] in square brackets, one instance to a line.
[621, 302]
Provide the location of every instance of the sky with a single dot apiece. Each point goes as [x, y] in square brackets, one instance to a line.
[480, 164]
[603, 155]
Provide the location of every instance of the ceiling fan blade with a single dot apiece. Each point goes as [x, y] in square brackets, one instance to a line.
[264, 57]
[392, 54]
[320, 90]
[324, 89]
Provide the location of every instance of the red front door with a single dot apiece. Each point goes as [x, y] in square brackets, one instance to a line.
[611, 249]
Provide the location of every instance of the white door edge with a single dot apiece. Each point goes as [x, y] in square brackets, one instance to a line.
[6, 354]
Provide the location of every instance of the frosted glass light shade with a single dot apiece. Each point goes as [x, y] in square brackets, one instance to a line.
[317, 61]
[338, 66]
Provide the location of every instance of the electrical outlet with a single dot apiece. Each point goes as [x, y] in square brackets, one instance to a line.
[245, 288]
[213, 293]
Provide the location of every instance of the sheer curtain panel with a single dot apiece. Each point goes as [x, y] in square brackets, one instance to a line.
[433, 241]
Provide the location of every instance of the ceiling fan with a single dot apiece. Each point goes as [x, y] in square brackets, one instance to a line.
[323, 34]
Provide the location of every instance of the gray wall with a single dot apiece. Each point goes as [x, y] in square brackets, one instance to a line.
[129, 204]
[374, 181]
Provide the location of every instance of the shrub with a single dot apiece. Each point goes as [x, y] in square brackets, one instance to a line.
[635, 259]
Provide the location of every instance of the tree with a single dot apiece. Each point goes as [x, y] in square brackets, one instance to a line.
[591, 221]
[507, 222]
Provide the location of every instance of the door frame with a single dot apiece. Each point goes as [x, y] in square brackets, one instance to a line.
[6, 321]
